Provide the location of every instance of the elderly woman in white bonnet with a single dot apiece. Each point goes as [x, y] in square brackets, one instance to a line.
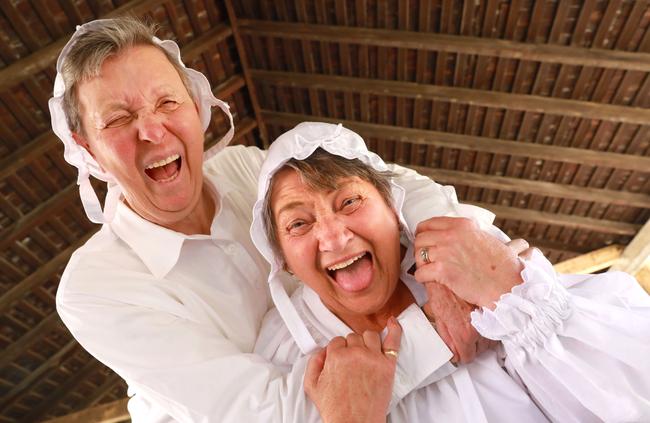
[329, 215]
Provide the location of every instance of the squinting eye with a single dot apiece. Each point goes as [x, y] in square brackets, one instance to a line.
[118, 121]
[169, 105]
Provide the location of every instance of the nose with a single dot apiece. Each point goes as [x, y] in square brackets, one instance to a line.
[332, 234]
[151, 128]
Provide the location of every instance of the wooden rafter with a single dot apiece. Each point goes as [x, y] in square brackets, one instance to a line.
[45, 57]
[637, 252]
[112, 412]
[591, 262]
[474, 143]
[476, 97]
[547, 53]
[505, 183]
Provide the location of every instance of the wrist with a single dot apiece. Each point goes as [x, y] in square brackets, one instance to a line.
[503, 284]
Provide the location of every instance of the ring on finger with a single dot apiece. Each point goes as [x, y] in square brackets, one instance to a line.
[391, 353]
[424, 255]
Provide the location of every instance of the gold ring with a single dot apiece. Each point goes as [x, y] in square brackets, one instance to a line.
[424, 255]
[392, 353]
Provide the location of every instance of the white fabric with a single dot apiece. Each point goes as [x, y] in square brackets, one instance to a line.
[299, 143]
[574, 348]
[177, 316]
[78, 157]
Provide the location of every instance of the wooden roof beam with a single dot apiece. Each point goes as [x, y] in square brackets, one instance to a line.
[112, 412]
[637, 252]
[575, 222]
[546, 53]
[41, 59]
[505, 183]
[484, 98]
[474, 143]
[591, 262]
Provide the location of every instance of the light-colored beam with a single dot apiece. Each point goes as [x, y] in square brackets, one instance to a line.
[547, 53]
[472, 143]
[470, 96]
[637, 252]
[591, 262]
[112, 412]
[643, 276]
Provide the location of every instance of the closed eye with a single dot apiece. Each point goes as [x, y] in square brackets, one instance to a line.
[119, 121]
[297, 227]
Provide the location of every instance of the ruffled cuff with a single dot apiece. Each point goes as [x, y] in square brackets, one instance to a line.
[525, 318]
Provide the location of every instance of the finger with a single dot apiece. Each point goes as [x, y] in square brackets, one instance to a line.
[394, 335]
[313, 371]
[442, 330]
[336, 343]
[527, 254]
[441, 223]
[466, 351]
[372, 340]
[354, 340]
[518, 245]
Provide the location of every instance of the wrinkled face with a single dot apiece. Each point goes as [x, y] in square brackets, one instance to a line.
[344, 244]
[142, 126]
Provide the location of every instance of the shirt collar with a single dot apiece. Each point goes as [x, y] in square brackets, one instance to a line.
[159, 248]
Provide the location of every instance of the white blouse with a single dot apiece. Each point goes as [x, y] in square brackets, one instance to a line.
[574, 348]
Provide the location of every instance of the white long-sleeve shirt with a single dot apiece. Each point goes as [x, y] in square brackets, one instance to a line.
[573, 348]
[177, 315]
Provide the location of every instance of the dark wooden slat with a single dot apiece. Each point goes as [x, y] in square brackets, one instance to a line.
[577, 222]
[14, 349]
[535, 187]
[39, 276]
[115, 411]
[466, 142]
[46, 57]
[538, 104]
[614, 59]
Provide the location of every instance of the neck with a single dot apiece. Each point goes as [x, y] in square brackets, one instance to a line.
[200, 219]
[398, 302]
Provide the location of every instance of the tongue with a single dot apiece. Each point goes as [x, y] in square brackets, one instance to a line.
[356, 276]
[163, 172]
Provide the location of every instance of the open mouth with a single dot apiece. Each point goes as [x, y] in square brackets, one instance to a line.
[354, 274]
[164, 170]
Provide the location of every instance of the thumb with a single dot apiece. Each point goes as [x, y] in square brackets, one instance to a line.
[312, 373]
[394, 335]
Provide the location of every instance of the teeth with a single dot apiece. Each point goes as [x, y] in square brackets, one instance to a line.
[346, 263]
[163, 162]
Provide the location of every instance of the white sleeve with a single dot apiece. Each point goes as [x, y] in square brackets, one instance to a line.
[579, 343]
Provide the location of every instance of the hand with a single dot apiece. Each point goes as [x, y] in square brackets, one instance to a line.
[351, 380]
[474, 265]
[451, 317]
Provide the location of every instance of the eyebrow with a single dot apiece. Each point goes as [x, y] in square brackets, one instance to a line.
[289, 206]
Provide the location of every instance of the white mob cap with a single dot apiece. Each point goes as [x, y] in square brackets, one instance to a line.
[78, 157]
[299, 143]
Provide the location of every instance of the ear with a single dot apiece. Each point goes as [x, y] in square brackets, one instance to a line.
[83, 142]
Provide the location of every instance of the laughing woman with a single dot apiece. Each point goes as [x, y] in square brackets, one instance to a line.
[570, 348]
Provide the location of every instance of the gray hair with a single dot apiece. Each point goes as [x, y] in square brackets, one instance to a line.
[324, 171]
[90, 50]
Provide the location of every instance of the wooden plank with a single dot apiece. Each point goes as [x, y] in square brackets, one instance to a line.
[569, 221]
[527, 186]
[591, 262]
[523, 102]
[241, 52]
[106, 413]
[43, 272]
[637, 252]
[547, 53]
[475, 143]
[46, 57]
[643, 276]
[18, 347]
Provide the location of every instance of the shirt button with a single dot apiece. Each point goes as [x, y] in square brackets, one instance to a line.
[231, 249]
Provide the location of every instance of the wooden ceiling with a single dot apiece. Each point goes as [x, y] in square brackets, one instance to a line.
[537, 110]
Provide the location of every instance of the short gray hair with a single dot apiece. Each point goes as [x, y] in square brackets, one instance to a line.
[323, 171]
[91, 49]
